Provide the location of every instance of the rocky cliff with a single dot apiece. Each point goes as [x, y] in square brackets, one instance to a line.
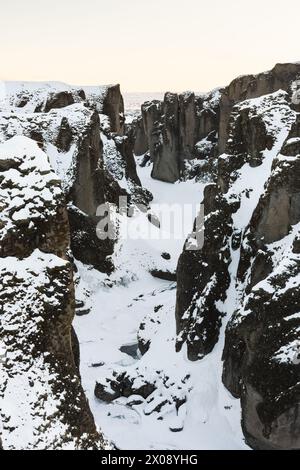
[186, 126]
[81, 132]
[63, 152]
[253, 86]
[247, 269]
[177, 129]
[41, 97]
[242, 143]
[42, 402]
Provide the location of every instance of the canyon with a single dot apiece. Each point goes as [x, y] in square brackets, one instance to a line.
[142, 342]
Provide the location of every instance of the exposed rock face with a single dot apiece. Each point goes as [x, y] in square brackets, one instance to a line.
[28, 190]
[42, 401]
[107, 100]
[250, 146]
[203, 279]
[113, 106]
[86, 246]
[95, 164]
[264, 366]
[51, 409]
[144, 390]
[253, 86]
[248, 267]
[179, 128]
[139, 136]
[61, 129]
[59, 100]
[71, 138]
[44, 96]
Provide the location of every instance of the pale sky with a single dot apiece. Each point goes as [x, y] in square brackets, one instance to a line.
[146, 45]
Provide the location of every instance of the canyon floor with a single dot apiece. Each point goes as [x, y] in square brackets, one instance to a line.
[210, 418]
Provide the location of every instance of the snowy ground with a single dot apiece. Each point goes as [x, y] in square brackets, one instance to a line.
[211, 416]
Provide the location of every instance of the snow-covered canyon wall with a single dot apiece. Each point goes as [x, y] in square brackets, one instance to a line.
[57, 143]
[248, 266]
[64, 151]
[42, 402]
[177, 129]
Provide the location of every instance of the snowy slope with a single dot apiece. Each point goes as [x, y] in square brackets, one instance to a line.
[210, 417]
[27, 96]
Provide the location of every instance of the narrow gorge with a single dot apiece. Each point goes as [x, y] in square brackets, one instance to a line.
[146, 340]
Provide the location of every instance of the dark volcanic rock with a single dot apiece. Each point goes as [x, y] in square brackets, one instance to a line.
[120, 168]
[179, 128]
[164, 274]
[50, 410]
[140, 138]
[37, 218]
[113, 106]
[122, 385]
[85, 244]
[107, 100]
[262, 354]
[250, 258]
[165, 135]
[59, 100]
[202, 279]
[125, 147]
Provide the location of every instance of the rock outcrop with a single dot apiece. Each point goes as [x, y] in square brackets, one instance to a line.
[137, 132]
[253, 86]
[203, 279]
[188, 127]
[94, 162]
[248, 267]
[244, 141]
[42, 402]
[71, 138]
[263, 367]
[179, 128]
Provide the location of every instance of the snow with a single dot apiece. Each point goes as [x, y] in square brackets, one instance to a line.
[37, 93]
[289, 353]
[210, 417]
[203, 146]
[295, 316]
[29, 189]
[28, 401]
[134, 100]
[247, 187]
[48, 125]
[95, 96]
[189, 407]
